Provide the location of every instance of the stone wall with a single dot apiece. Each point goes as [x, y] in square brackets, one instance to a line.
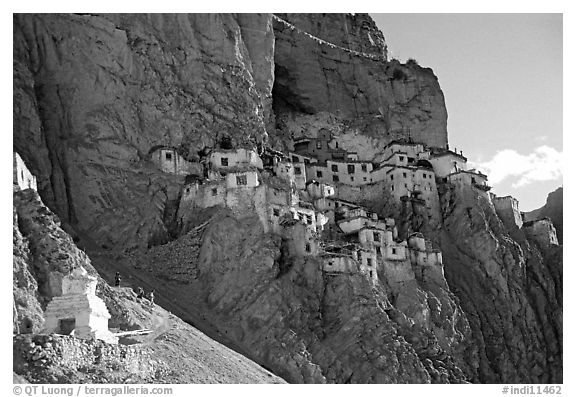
[508, 211]
[36, 355]
[446, 164]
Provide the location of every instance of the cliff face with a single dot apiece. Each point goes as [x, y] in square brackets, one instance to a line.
[93, 94]
[511, 292]
[318, 82]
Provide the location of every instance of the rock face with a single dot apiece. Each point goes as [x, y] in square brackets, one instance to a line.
[305, 325]
[383, 100]
[93, 94]
[511, 292]
[553, 209]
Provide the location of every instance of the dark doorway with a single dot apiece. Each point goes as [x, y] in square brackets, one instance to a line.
[67, 325]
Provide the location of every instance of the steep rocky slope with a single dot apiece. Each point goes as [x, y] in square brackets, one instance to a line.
[174, 352]
[511, 292]
[237, 284]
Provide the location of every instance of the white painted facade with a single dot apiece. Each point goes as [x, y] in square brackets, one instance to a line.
[319, 190]
[411, 152]
[447, 162]
[78, 309]
[21, 175]
[353, 173]
[224, 159]
[469, 178]
[368, 263]
[242, 179]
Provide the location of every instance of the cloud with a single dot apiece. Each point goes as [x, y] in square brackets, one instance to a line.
[543, 164]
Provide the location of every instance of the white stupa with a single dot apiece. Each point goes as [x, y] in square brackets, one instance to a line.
[79, 311]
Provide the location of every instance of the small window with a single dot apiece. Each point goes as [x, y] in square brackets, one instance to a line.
[410, 160]
[335, 178]
[276, 212]
[336, 145]
[214, 191]
[364, 179]
[187, 190]
[241, 180]
[224, 161]
[369, 263]
[307, 247]
[352, 178]
[295, 159]
[364, 168]
[424, 176]
[334, 168]
[297, 171]
[319, 174]
[401, 158]
[473, 180]
[391, 177]
[376, 236]
[168, 156]
[404, 174]
[393, 251]
[371, 274]
[351, 168]
[392, 188]
[406, 185]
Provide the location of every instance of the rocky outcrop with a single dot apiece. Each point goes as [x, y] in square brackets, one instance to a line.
[508, 289]
[241, 287]
[364, 93]
[93, 94]
[553, 209]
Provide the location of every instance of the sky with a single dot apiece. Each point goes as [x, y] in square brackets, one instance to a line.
[501, 75]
